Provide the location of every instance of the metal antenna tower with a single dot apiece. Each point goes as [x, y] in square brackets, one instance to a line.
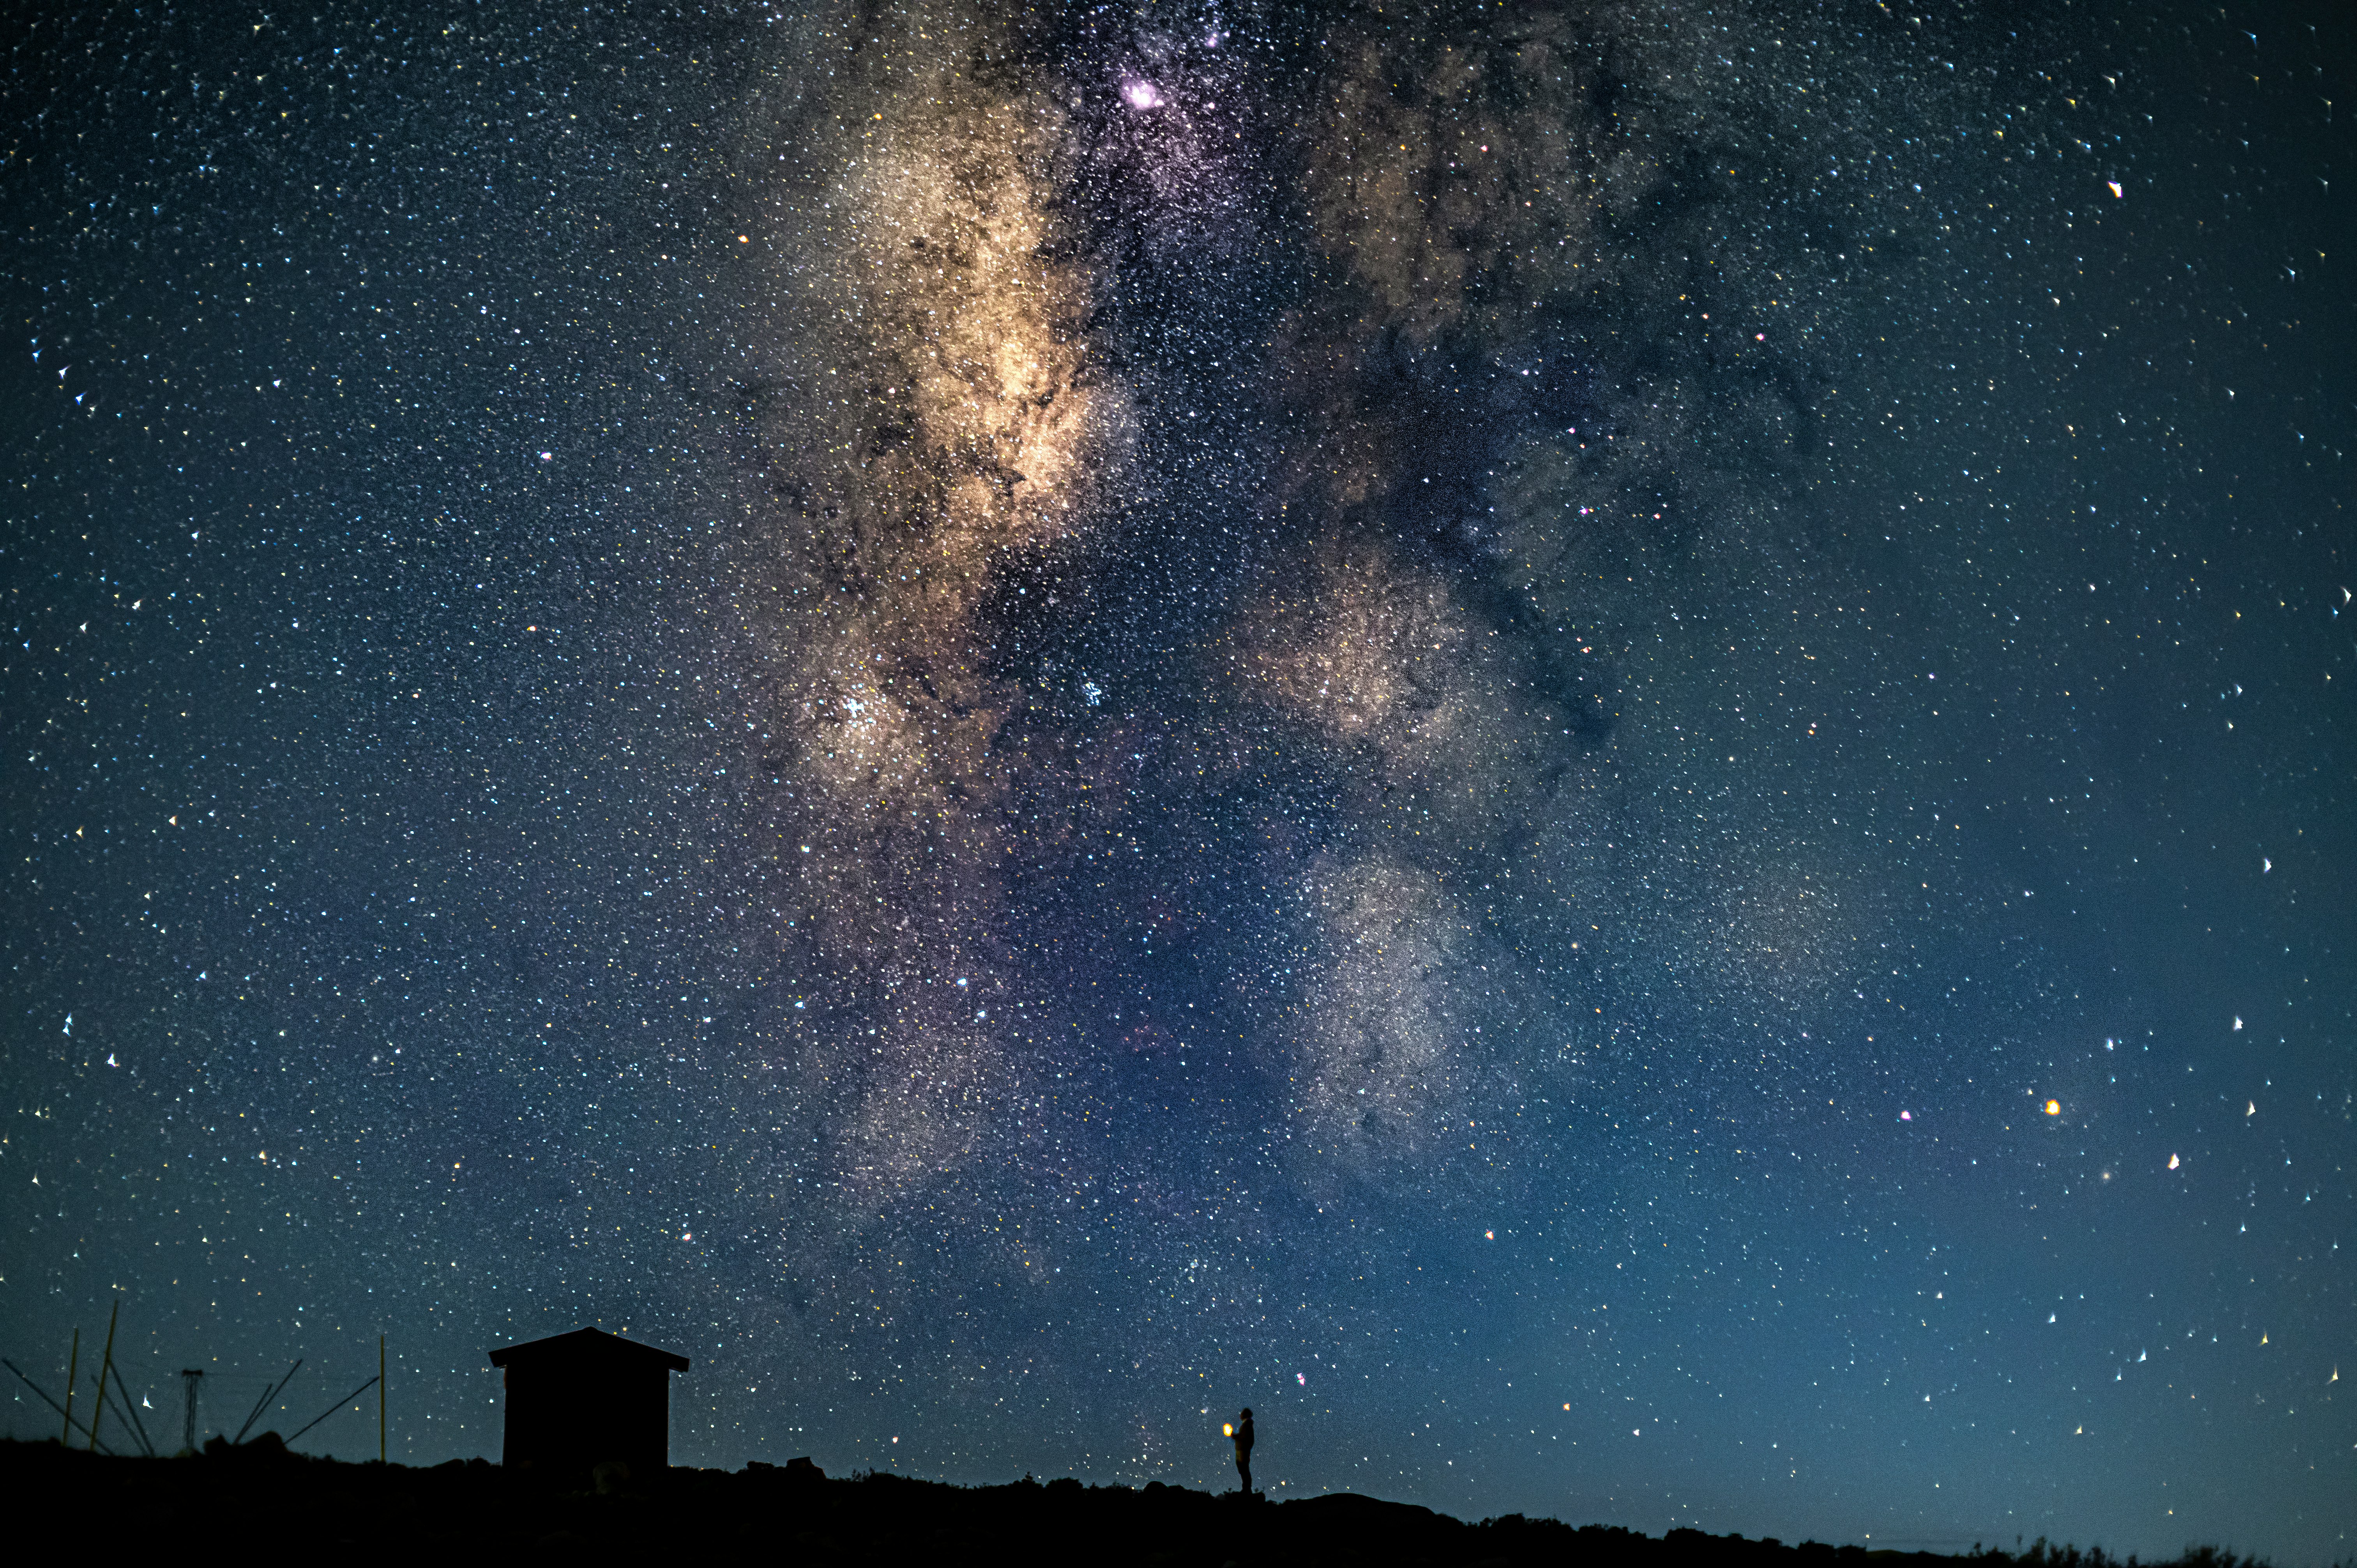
[190, 1376]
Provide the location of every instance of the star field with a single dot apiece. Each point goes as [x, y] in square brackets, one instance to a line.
[1600, 750]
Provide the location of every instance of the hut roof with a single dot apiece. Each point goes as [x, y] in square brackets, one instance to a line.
[587, 1346]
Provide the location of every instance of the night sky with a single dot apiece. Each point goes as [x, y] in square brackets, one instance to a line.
[1605, 750]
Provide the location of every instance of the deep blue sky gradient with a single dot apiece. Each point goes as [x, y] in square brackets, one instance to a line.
[418, 523]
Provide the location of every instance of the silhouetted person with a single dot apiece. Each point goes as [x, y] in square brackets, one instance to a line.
[1244, 1449]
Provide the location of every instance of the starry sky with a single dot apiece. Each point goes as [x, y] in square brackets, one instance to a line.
[1603, 749]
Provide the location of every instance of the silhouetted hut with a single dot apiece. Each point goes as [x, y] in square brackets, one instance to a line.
[576, 1401]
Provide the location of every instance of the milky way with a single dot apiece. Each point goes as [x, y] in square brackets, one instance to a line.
[1542, 735]
[1196, 494]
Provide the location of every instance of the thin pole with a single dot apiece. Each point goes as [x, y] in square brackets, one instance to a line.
[329, 1411]
[188, 1377]
[268, 1396]
[105, 1362]
[380, 1399]
[73, 1365]
[128, 1414]
[38, 1390]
